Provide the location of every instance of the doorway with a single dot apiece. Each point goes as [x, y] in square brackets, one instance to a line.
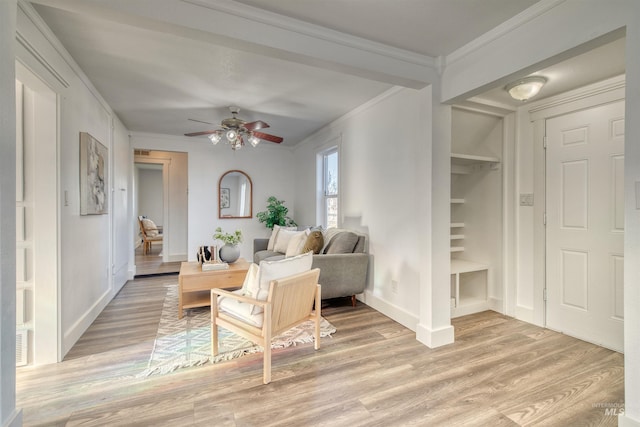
[160, 195]
[585, 224]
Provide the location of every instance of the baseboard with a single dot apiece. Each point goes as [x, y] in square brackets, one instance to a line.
[400, 315]
[176, 258]
[495, 304]
[81, 325]
[524, 313]
[433, 338]
[14, 420]
[131, 273]
[625, 421]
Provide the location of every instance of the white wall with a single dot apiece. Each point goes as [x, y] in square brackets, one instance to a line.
[150, 195]
[381, 186]
[268, 166]
[86, 279]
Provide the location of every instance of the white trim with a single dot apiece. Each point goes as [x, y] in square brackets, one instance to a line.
[502, 30]
[625, 421]
[525, 314]
[15, 419]
[81, 325]
[400, 315]
[316, 31]
[435, 338]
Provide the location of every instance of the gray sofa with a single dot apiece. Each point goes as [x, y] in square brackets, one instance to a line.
[341, 274]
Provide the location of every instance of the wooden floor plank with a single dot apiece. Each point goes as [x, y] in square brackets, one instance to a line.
[372, 372]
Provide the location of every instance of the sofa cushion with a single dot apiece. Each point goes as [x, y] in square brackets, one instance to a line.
[314, 242]
[296, 244]
[274, 235]
[266, 255]
[342, 243]
[282, 240]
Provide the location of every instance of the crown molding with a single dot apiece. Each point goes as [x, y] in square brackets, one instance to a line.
[503, 29]
[312, 30]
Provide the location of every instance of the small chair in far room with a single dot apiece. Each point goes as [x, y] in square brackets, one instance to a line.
[149, 233]
[288, 301]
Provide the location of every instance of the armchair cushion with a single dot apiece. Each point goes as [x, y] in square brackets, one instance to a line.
[240, 310]
[258, 286]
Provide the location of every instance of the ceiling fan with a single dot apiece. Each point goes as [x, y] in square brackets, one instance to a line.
[236, 130]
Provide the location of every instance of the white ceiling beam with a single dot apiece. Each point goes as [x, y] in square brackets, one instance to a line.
[247, 28]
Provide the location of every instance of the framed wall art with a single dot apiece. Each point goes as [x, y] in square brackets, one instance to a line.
[94, 157]
[225, 198]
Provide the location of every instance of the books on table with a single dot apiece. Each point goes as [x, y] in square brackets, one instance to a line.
[214, 265]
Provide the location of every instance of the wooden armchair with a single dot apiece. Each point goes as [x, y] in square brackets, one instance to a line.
[291, 301]
[148, 235]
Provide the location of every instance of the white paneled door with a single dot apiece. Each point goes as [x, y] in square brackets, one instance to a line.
[585, 224]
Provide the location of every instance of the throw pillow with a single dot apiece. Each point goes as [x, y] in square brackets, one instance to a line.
[272, 270]
[250, 286]
[150, 227]
[343, 243]
[274, 235]
[296, 243]
[282, 240]
[314, 243]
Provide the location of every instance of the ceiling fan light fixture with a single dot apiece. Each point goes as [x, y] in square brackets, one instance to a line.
[215, 138]
[526, 88]
[254, 140]
[232, 135]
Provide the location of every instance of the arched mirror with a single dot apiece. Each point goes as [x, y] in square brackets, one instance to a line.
[235, 195]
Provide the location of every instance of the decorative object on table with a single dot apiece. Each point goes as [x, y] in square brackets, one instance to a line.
[94, 166]
[276, 214]
[214, 265]
[207, 254]
[186, 342]
[229, 252]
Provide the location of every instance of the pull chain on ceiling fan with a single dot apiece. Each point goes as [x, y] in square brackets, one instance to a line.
[236, 130]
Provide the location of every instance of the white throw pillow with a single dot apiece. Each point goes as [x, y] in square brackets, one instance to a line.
[296, 244]
[251, 285]
[150, 227]
[273, 270]
[274, 235]
[282, 240]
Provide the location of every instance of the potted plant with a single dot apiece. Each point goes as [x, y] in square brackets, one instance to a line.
[229, 252]
[276, 214]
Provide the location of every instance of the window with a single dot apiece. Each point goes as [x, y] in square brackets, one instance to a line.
[330, 188]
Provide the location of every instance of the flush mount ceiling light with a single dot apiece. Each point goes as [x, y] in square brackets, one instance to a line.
[525, 88]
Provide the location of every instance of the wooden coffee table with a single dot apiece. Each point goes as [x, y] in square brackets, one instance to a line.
[195, 285]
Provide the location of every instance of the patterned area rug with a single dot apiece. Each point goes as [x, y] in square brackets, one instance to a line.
[186, 342]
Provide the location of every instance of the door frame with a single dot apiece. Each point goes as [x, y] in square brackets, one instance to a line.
[607, 91]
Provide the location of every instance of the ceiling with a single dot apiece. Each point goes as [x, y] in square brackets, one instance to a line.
[157, 73]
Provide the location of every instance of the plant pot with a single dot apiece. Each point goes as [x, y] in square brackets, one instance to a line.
[229, 253]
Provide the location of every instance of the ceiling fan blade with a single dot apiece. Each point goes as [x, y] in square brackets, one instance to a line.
[268, 137]
[206, 132]
[258, 124]
[200, 121]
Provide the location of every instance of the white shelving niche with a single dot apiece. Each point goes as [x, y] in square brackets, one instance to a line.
[476, 212]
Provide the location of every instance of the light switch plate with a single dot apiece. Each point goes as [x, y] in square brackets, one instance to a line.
[526, 199]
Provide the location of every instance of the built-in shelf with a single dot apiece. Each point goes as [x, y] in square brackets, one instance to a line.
[457, 236]
[457, 224]
[463, 164]
[464, 266]
[457, 248]
[457, 201]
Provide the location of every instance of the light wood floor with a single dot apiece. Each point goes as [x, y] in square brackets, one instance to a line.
[151, 263]
[372, 372]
